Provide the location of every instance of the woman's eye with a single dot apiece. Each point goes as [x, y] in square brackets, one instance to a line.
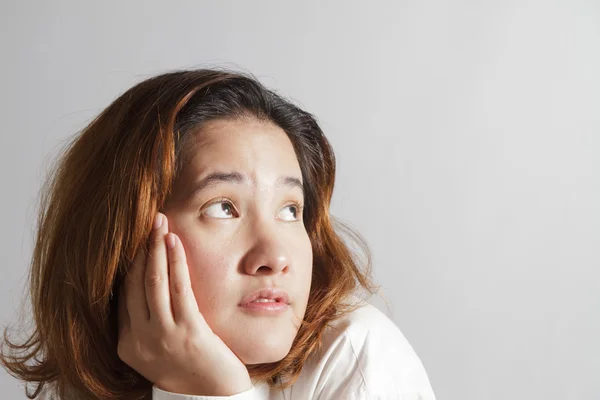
[222, 209]
[293, 215]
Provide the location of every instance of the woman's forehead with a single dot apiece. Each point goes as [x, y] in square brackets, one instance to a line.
[259, 150]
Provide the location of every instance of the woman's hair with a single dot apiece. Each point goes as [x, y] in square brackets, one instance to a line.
[96, 211]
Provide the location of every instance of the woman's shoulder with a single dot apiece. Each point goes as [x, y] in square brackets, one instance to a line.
[375, 339]
[364, 354]
[365, 320]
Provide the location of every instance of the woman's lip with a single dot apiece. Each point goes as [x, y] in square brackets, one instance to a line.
[279, 295]
[269, 307]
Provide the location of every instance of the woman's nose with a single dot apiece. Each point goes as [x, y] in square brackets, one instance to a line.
[267, 256]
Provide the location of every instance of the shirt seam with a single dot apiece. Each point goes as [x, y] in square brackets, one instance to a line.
[362, 375]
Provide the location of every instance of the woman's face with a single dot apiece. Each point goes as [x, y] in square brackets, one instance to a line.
[235, 208]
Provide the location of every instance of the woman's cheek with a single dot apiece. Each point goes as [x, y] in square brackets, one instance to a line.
[206, 266]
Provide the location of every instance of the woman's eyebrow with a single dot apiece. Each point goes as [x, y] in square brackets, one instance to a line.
[217, 178]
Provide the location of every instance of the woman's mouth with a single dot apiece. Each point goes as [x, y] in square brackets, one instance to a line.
[266, 300]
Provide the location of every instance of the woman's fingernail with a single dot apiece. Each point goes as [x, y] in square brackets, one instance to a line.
[157, 221]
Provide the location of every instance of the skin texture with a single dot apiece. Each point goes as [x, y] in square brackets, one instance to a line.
[241, 237]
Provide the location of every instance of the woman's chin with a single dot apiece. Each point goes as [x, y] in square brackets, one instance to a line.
[264, 353]
[260, 344]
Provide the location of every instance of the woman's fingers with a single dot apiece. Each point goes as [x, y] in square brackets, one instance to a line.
[157, 274]
[183, 300]
[133, 293]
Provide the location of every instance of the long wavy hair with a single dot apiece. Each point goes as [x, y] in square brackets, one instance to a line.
[96, 210]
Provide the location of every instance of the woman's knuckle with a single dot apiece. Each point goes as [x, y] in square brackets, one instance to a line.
[154, 280]
[156, 239]
[190, 344]
[174, 259]
[180, 289]
[143, 352]
[165, 345]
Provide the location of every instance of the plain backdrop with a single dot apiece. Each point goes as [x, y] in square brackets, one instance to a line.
[468, 143]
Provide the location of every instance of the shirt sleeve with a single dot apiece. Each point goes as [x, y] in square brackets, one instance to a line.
[159, 394]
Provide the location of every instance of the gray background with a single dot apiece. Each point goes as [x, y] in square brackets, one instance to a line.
[467, 137]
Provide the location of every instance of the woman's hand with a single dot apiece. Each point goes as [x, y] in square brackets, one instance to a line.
[163, 335]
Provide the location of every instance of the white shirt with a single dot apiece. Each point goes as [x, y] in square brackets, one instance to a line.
[364, 356]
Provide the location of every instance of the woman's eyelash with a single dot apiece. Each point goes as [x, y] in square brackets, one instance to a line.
[299, 206]
[223, 200]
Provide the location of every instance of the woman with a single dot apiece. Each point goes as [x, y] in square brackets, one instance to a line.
[185, 250]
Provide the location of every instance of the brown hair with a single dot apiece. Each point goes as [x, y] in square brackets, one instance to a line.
[96, 212]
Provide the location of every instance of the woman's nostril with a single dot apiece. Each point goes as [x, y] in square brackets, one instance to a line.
[264, 268]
